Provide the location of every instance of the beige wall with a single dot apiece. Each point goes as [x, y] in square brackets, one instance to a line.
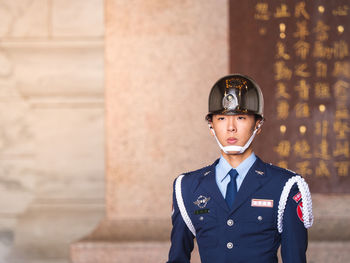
[162, 58]
[52, 131]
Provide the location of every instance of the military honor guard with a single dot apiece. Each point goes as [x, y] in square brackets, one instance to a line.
[240, 209]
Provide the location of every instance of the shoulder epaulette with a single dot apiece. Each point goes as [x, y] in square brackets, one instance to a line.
[283, 169]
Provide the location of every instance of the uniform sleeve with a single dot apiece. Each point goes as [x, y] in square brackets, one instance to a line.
[294, 238]
[181, 237]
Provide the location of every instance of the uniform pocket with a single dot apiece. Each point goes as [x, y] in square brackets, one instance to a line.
[257, 227]
[206, 226]
[203, 217]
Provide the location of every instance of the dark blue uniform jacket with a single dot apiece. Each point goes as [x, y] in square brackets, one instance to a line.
[245, 233]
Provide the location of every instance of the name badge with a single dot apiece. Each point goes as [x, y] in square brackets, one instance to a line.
[201, 211]
[262, 203]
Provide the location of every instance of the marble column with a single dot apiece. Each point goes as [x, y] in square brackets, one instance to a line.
[161, 58]
[51, 133]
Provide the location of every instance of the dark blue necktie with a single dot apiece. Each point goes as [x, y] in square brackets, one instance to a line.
[231, 190]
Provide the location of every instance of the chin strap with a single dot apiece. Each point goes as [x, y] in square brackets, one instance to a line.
[235, 148]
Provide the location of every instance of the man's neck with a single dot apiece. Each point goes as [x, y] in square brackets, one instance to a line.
[236, 159]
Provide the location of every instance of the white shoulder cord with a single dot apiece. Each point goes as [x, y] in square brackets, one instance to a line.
[306, 199]
[181, 205]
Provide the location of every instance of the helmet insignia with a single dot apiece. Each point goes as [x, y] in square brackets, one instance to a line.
[230, 101]
[236, 83]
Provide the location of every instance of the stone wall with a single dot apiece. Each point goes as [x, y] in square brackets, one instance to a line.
[51, 133]
[160, 58]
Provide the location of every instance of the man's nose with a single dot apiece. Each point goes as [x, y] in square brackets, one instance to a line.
[231, 125]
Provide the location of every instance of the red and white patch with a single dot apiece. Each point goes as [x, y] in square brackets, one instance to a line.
[297, 197]
[300, 211]
[262, 203]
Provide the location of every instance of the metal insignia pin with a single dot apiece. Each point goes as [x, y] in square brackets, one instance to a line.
[206, 173]
[259, 172]
[202, 201]
[230, 101]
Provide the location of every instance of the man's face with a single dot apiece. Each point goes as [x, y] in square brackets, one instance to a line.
[234, 129]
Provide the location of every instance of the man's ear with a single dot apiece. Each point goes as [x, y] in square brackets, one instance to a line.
[210, 124]
[258, 125]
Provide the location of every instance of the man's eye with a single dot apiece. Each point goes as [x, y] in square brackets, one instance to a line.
[241, 117]
[221, 118]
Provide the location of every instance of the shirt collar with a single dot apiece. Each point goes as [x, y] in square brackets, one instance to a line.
[242, 169]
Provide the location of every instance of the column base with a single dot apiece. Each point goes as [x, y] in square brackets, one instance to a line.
[122, 252]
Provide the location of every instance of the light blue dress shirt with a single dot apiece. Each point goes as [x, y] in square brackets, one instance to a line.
[223, 167]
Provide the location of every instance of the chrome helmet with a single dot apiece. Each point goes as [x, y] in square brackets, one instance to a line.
[235, 94]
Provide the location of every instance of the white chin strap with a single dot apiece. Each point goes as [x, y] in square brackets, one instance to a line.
[235, 148]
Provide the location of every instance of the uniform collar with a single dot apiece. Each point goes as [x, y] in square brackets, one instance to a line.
[223, 167]
[255, 178]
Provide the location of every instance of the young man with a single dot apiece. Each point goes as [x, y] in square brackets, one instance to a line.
[239, 209]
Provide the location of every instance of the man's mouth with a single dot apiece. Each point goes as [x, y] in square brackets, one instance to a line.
[231, 140]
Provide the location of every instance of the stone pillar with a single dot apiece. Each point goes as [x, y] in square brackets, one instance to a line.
[51, 133]
[161, 59]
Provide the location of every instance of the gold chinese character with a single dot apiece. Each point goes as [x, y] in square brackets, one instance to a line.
[300, 70]
[303, 89]
[342, 114]
[282, 71]
[340, 89]
[341, 128]
[340, 49]
[342, 148]
[321, 69]
[341, 105]
[321, 130]
[282, 164]
[282, 110]
[321, 31]
[322, 90]
[322, 169]
[341, 11]
[282, 11]
[281, 51]
[282, 27]
[341, 69]
[302, 49]
[323, 150]
[301, 31]
[321, 51]
[303, 168]
[283, 148]
[300, 10]
[262, 11]
[302, 149]
[282, 91]
[342, 168]
[302, 110]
